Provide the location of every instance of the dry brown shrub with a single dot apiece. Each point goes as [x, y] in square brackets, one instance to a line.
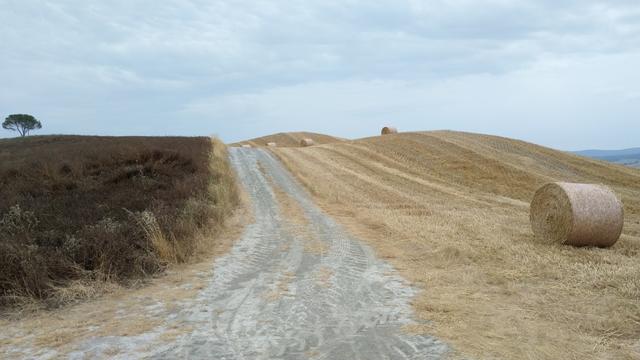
[77, 209]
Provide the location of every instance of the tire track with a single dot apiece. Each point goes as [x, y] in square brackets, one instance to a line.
[356, 310]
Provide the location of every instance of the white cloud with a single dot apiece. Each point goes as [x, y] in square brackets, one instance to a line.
[557, 103]
[189, 67]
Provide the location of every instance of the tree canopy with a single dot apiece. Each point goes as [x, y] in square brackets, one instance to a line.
[22, 123]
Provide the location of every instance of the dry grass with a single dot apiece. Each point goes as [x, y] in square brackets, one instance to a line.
[122, 312]
[81, 211]
[296, 221]
[289, 139]
[324, 276]
[280, 288]
[451, 212]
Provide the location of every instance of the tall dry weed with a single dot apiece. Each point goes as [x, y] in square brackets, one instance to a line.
[76, 211]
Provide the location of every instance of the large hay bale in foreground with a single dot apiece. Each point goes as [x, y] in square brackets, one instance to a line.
[389, 130]
[272, 144]
[307, 142]
[577, 214]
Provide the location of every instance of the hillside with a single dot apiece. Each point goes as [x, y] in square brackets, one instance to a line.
[450, 210]
[608, 153]
[79, 210]
[628, 157]
[289, 139]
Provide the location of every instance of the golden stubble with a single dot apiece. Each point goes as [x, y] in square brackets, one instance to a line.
[451, 212]
[288, 139]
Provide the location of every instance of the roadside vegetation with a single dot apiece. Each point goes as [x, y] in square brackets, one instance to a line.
[451, 212]
[78, 212]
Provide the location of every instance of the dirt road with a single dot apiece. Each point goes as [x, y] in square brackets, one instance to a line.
[275, 297]
[294, 286]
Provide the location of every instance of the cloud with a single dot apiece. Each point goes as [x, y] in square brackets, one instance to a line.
[241, 68]
[555, 103]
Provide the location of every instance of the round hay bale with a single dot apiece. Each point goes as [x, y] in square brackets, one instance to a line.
[389, 130]
[307, 142]
[246, 146]
[577, 214]
[272, 144]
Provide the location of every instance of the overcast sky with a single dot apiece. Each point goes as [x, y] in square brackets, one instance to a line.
[562, 73]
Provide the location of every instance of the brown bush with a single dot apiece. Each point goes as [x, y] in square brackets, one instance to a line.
[114, 208]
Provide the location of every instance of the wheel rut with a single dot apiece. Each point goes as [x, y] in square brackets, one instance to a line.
[270, 298]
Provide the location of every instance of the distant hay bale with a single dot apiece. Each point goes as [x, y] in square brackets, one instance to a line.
[272, 144]
[246, 146]
[577, 214]
[389, 130]
[307, 142]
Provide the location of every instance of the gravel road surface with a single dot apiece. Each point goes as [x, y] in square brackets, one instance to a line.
[272, 298]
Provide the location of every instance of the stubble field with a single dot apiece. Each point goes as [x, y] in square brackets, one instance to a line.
[451, 211]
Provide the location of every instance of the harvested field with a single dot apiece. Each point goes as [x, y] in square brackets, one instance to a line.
[289, 139]
[89, 210]
[451, 211]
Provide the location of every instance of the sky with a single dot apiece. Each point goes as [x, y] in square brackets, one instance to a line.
[561, 73]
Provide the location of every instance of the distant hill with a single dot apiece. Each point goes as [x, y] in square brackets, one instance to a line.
[629, 157]
[289, 139]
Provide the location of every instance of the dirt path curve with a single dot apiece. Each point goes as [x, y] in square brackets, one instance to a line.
[272, 298]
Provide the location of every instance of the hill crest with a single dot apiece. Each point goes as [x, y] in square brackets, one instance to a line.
[289, 139]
